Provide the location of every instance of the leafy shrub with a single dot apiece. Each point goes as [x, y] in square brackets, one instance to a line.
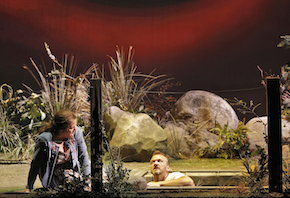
[230, 143]
[14, 138]
[116, 177]
[117, 180]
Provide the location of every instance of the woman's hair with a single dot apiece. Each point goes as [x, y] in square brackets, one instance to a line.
[61, 121]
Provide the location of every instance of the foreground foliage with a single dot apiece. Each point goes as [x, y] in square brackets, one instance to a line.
[257, 172]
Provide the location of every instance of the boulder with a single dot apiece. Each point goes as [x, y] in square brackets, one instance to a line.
[258, 128]
[137, 136]
[199, 111]
[202, 106]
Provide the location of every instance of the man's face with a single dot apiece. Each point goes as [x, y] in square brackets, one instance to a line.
[159, 165]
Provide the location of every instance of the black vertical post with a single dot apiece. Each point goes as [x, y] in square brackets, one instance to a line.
[274, 134]
[96, 134]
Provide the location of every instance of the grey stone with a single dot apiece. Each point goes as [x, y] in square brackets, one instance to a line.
[257, 131]
[204, 107]
[138, 183]
[199, 111]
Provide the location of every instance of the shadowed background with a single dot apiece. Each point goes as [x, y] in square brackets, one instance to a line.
[213, 45]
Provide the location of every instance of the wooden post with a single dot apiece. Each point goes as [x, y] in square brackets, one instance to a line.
[96, 134]
[274, 134]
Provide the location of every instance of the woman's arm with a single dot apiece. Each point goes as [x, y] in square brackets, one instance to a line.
[83, 155]
[38, 159]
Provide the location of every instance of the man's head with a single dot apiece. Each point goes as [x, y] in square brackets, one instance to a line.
[159, 164]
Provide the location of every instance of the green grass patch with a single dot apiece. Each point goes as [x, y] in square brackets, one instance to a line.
[207, 164]
[10, 189]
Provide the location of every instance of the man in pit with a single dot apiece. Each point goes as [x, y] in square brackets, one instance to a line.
[161, 176]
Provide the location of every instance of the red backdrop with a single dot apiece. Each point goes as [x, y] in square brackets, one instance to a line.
[212, 45]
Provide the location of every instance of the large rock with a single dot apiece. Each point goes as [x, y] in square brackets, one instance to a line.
[137, 135]
[199, 111]
[258, 128]
[257, 131]
[204, 107]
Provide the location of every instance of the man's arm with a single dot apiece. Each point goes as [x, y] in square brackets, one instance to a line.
[182, 181]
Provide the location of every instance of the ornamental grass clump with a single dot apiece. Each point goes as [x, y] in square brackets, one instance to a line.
[60, 89]
[126, 88]
[9, 133]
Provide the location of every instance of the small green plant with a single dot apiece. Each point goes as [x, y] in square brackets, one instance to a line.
[230, 143]
[116, 177]
[117, 180]
[256, 177]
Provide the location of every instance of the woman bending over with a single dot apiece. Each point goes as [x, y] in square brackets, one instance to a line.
[60, 152]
